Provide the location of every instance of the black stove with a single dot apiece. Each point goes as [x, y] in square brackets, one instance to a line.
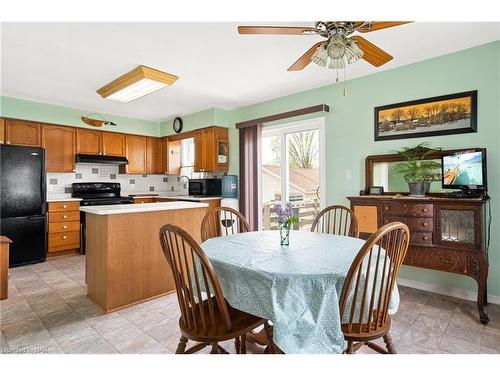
[97, 194]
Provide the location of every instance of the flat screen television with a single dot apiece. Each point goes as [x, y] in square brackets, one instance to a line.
[465, 170]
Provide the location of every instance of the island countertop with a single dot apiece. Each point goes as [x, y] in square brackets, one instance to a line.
[134, 208]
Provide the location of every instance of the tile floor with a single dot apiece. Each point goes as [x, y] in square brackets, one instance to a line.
[48, 312]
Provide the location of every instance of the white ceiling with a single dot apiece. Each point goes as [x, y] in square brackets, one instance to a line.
[65, 63]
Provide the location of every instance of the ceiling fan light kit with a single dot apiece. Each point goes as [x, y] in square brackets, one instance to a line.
[136, 83]
[339, 48]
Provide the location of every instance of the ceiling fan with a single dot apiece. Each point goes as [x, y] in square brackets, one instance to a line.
[339, 48]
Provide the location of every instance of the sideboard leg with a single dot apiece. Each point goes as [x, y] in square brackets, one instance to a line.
[481, 301]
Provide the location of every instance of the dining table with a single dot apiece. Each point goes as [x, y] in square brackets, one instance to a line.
[296, 287]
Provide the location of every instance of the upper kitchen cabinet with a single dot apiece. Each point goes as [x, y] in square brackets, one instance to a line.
[22, 133]
[153, 155]
[2, 131]
[211, 150]
[59, 144]
[88, 142]
[164, 155]
[135, 151]
[113, 144]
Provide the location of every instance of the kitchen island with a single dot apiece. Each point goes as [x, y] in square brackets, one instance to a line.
[125, 264]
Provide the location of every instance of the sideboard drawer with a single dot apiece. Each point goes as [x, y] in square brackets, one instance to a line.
[420, 238]
[424, 224]
[443, 260]
[65, 226]
[408, 209]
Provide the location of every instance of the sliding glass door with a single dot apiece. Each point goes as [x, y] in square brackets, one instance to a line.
[292, 170]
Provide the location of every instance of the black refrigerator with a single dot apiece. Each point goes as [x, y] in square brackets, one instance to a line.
[23, 210]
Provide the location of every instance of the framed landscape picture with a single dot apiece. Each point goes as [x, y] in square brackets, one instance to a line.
[440, 115]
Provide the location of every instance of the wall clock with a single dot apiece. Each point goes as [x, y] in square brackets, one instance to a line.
[177, 125]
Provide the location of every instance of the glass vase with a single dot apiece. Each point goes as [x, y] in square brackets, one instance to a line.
[284, 235]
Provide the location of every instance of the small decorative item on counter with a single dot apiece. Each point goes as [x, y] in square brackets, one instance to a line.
[285, 221]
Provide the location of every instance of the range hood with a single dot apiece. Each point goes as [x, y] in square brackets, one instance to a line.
[101, 159]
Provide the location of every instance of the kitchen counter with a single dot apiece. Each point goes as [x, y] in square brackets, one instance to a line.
[62, 198]
[125, 264]
[179, 197]
[134, 208]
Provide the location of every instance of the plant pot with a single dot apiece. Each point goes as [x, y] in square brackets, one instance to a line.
[419, 189]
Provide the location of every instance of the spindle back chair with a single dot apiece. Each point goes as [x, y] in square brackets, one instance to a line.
[336, 219]
[368, 288]
[206, 317]
[222, 221]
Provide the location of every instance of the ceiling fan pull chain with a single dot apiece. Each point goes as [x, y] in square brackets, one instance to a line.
[344, 91]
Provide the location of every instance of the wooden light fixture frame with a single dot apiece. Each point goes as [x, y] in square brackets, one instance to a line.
[135, 75]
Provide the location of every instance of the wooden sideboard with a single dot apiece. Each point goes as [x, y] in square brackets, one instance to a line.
[447, 234]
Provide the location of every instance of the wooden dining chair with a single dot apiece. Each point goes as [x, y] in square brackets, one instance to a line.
[336, 219]
[368, 287]
[206, 317]
[222, 221]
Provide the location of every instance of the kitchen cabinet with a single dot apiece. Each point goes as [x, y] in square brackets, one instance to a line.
[153, 155]
[22, 133]
[211, 150]
[95, 142]
[113, 144]
[59, 144]
[135, 151]
[4, 267]
[174, 157]
[88, 142]
[2, 131]
[164, 155]
[64, 227]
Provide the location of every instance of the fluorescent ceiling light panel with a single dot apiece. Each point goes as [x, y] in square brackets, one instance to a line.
[136, 83]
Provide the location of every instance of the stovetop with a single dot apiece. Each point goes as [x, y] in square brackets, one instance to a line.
[99, 193]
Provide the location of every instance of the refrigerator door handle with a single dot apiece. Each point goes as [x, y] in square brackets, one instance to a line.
[35, 217]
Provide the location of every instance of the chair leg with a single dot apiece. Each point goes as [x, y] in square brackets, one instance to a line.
[215, 348]
[237, 345]
[269, 334]
[243, 348]
[350, 348]
[389, 345]
[181, 348]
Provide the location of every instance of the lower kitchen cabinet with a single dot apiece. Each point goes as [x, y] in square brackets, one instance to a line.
[64, 227]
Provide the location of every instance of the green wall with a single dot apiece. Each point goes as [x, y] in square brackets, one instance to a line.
[56, 114]
[349, 127]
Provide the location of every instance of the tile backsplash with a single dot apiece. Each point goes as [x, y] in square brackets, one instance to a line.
[60, 183]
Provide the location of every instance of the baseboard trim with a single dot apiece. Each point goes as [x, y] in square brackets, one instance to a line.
[445, 290]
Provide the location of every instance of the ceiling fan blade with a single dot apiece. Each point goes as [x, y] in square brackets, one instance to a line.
[372, 53]
[277, 30]
[305, 59]
[379, 25]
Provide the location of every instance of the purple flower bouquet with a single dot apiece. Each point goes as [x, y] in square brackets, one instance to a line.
[285, 221]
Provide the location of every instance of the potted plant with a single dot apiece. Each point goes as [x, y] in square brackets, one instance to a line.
[417, 169]
[285, 221]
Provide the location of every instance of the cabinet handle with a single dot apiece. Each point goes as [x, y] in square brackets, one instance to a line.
[405, 205]
[65, 227]
[424, 210]
[64, 216]
[8, 142]
[386, 208]
[425, 238]
[425, 223]
[64, 206]
[64, 237]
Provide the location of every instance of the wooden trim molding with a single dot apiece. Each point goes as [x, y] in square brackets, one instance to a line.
[284, 115]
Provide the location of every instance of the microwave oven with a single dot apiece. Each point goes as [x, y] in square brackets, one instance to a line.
[209, 187]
